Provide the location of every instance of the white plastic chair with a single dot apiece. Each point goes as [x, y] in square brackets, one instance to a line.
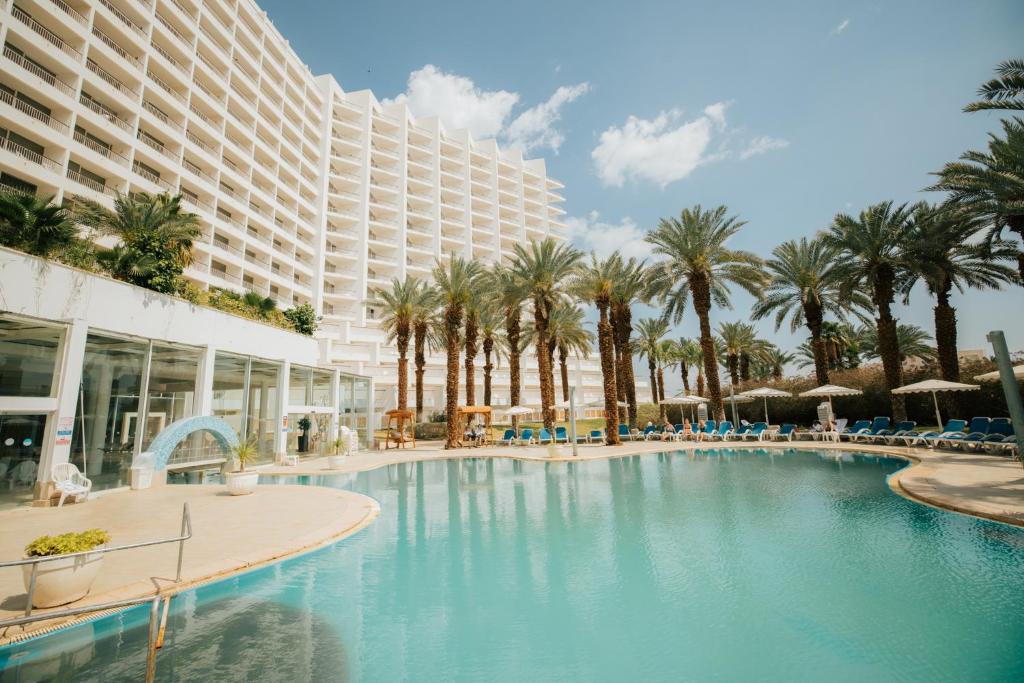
[70, 482]
[24, 473]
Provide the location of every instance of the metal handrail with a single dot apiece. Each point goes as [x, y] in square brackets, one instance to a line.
[186, 533]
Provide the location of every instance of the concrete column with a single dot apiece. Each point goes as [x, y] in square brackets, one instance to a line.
[335, 404]
[280, 411]
[204, 382]
[60, 423]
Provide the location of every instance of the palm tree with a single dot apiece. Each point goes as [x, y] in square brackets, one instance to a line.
[34, 224]
[688, 354]
[492, 343]
[508, 290]
[595, 282]
[991, 185]
[735, 339]
[942, 253]
[424, 325]
[911, 340]
[699, 264]
[543, 269]
[773, 363]
[567, 335]
[630, 287]
[455, 282]
[805, 286]
[1004, 92]
[650, 332]
[469, 343]
[398, 304]
[871, 258]
[841, 344]
[155, 235]
[261, 305]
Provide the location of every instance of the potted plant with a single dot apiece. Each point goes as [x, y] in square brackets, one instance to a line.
[59, 582]
[242, 483]
[304, 424]
[336, 457]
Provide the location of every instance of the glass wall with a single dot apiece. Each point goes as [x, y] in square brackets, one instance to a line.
[322, 381]
[28, 357]
[173, 373]
[21, 445]
[108, 409]
[229, 389]
[354, 406]
[300, 386]
[262, 419]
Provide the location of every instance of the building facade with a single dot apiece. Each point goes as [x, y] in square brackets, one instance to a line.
[306, 193]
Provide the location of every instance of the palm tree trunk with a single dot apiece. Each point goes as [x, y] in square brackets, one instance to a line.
[653, 369]
[452, 323]
[684, 370]
[661, 392]
[402, 342]
[470, 345]
[813, 316]
[419, 351]
[734, 368]
[564, 370]
[888, 343]
[547, 390]
[702, 303]
[488, 368]
[744, 367]
[513, 330]
[945, 342]
[620, 386]
[622, 330]
[700, 381]
[1016, 224]
[606, 346]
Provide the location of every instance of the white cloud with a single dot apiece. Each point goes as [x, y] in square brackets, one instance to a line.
[762, 144]
[459, 103]
[840, 28]
[662, 150]
[590, 233]
[535, 127]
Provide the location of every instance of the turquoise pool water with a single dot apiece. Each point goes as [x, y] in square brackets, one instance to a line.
[730, 565]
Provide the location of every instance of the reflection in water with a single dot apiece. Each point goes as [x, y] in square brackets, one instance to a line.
[764, 564]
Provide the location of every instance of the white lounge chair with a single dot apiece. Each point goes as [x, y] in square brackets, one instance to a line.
[70, 482]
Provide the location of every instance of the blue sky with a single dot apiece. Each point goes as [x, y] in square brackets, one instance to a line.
[786, 112]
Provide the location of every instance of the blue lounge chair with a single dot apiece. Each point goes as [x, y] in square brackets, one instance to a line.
[741, 433]
[858, 427]
[709, 429]
[561, 436]
[544, 436]
[877, 425]
[998, 430]
[508, 437]
[525, 438]
[624, 433]
[756, 431]
[786, 431]
[723, 432]
[595, 435]
[975, 431]
[648, 431]
[928, 438]
[901, 429]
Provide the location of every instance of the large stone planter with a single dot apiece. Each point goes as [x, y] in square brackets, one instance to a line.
[241, 483]
[59, 582]
[335, 462]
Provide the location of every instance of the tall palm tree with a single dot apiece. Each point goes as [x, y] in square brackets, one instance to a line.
[650, 333]
[631, 287]
[841, 344]
[773, 363]
[34, 224]
[543, 270]
[699, 263]
[871, 258]
[398, 304]
[492, 343]
[1004, 92]
[455, 282]
[595, 282]
[666, 359]
[911, 340]
[424, 325]
[943, 253]
[735, 339]
[991, 184]
[509, 296]
[155, 238]
[261, 305]
[688, 354]
[469, 343]
[805, 286]
[568, 336]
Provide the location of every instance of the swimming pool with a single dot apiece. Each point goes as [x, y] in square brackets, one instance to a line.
[731, 565]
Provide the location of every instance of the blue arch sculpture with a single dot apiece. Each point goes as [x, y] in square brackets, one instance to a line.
[176, 432]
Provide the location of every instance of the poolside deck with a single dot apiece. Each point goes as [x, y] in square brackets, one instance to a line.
[230, 534]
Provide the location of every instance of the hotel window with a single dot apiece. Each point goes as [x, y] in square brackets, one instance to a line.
[29, 353]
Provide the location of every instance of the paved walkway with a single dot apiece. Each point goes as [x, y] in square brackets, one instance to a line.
[230, 534]
[973, 483]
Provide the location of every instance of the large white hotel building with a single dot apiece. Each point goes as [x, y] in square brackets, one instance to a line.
[306, 193]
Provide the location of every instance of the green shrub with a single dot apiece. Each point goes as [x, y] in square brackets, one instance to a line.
[429, 431]
[64, 544]
[303, 319]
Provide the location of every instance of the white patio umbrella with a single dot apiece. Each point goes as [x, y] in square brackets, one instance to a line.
[830, 390]
[519, 410]
[934, 386]
[684, 401]
[766, 393]
[1018, 372]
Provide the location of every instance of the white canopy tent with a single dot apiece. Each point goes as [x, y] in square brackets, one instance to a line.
[1018, 372]
[934, 386]
[766, 393]
[830, 390]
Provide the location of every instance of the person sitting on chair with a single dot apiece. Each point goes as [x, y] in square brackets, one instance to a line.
[668, 432]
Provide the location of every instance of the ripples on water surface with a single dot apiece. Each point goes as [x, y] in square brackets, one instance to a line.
[738, 565]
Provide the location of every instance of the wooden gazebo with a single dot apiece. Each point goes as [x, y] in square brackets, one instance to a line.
[398, 421]
[466, 413]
